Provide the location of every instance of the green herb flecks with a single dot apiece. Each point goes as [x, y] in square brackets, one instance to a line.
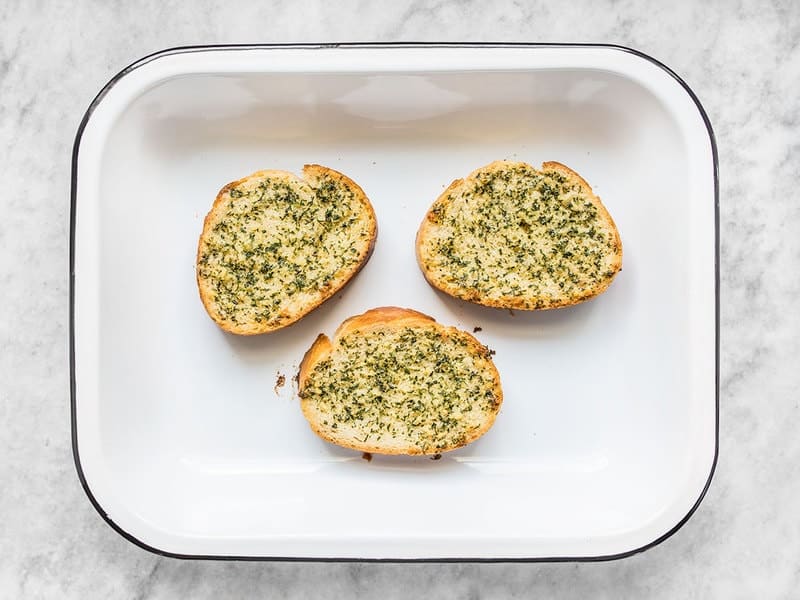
[412, 384]
[277, 242]
[520, 232]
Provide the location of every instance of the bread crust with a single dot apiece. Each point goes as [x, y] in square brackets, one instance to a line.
[394, 317]
[515, 302]
[311, 173]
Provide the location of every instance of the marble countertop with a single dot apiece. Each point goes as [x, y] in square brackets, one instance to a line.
[743, 61]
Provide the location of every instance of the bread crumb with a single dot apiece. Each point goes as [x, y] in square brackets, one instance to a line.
[476, 329]
[511, 312]
[436, 457]
[366, 456]
[279, 382]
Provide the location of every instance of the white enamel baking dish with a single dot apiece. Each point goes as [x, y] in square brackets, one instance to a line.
[183, 438]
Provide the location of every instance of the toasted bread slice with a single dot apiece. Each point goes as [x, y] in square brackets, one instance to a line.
[274, 247]
[513, 236]
[394, 381]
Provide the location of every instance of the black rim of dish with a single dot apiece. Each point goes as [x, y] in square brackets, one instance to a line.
[190, 49]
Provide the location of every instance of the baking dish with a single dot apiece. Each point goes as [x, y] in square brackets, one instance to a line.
[185, 438]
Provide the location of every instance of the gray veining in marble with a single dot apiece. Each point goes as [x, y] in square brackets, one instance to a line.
[743, 60]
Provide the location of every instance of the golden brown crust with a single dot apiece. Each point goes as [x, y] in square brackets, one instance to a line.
[516, 302]
[381, 316]
[311, 173]
[319, 350]
[394, 317]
